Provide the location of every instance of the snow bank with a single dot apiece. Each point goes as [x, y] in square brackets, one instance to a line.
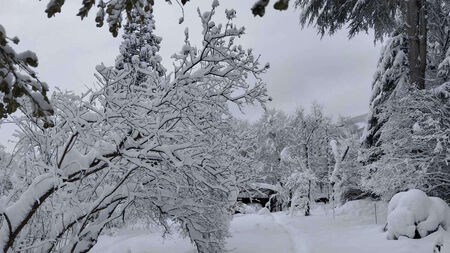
[401, 223]
[442, 242]
[362, 207]
[414, 214]
[264, 211]
[278, 232]
[439, 214]
[247, 208]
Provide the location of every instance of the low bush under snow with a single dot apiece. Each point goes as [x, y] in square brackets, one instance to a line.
[415, 215]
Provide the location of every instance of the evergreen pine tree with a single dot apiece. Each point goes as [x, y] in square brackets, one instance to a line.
[140, 45]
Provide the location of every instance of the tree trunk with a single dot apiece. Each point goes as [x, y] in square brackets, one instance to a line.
[417, 41]
[307, 209]
[423, 37]
[308, 203]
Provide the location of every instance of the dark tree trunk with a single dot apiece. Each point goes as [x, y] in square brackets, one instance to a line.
[423, 37]
[417, 41]
[307, 209]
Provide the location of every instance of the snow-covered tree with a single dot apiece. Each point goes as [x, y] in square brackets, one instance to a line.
[162, 144]
[111, 10]
[19, 85]
[272, 138]
[308, 154]
[345, 178]
[438, 71]
[391, 82]
[140, 43]
[414, 143]
[294, 156]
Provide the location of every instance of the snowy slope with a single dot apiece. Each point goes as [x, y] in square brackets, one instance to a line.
[352, 230]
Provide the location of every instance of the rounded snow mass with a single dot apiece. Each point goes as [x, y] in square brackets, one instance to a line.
[415, 215]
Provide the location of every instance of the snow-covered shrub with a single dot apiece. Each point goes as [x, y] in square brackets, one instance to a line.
[363, 207]
[414, 214]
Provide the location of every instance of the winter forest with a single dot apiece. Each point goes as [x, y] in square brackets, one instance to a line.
[195, 151]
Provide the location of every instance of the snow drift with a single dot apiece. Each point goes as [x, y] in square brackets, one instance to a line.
[415, 215]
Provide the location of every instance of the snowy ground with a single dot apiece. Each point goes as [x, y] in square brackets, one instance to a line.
[352, 230]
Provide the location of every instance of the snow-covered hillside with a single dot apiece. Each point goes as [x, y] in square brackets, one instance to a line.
[351, 229]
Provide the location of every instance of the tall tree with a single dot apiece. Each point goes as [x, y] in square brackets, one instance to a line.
[412, 148]
[417, 31]
[391, 85]
[140, 45]
[163, 143]
[390, 81]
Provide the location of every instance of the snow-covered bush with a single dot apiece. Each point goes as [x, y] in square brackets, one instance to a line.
[143, 143]
[414, 214]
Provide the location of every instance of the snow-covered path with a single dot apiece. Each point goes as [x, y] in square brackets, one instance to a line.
[250, 233]
[298, 243]
[353, 230]
[259, 233]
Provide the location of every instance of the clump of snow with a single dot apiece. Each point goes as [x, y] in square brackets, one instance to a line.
[215, 3]
[416, 127]
[415, 200]
[264, 211]
[442, 242]
[3, 201]
[135, 59]
[443, 90]
[247, 208]
[362, 207]
[439, 214]
[75, 161]
[413, 214]
[401, 223]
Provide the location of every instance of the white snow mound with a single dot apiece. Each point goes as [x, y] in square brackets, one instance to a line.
[362, 207]
[413, 212]
[442, 242]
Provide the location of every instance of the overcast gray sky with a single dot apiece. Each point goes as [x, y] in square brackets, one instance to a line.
[334, 71]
